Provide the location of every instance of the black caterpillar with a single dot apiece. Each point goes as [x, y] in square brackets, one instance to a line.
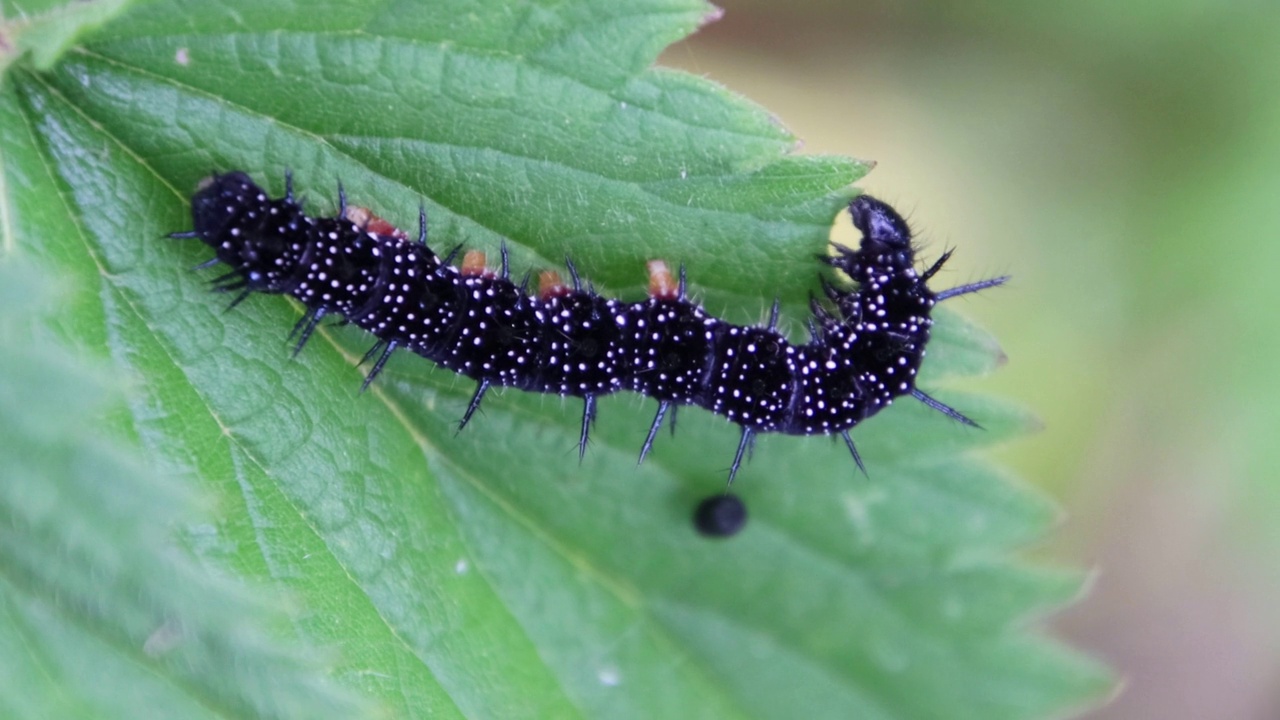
[864, 348]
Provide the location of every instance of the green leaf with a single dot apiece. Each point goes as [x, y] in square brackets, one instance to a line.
[46, 28]
[100, 613]
[489, 574]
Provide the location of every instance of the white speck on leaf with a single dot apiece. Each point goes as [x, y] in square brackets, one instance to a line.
[609, 676]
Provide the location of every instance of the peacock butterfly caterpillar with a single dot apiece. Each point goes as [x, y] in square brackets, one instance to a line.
[864, 349]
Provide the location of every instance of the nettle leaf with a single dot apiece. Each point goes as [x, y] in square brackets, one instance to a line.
[102, 615]
[491, 574]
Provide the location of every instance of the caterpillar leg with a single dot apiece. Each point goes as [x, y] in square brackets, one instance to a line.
[663, 406]
[244, 295]
[448, 260]
[387, 348]
[854, 452]
[304, 327]
[971, 288]
[773, 315]
[936, 266]
[229, 282]
[944, 409]
[588, 417]
[744, 446]
[963, 289]
[422, 224]
[573, 274]
[481, 389]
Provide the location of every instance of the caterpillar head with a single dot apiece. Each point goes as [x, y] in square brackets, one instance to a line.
[885, 249]
[883, 229]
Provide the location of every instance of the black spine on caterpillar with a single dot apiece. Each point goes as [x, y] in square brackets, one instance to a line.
[863, 352]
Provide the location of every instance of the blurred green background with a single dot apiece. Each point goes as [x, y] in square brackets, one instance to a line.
[1122, 162]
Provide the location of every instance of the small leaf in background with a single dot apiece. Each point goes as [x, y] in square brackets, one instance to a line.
[46, 28]
[489, 574]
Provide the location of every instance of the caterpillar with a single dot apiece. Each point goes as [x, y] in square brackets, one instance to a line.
[864, 349]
